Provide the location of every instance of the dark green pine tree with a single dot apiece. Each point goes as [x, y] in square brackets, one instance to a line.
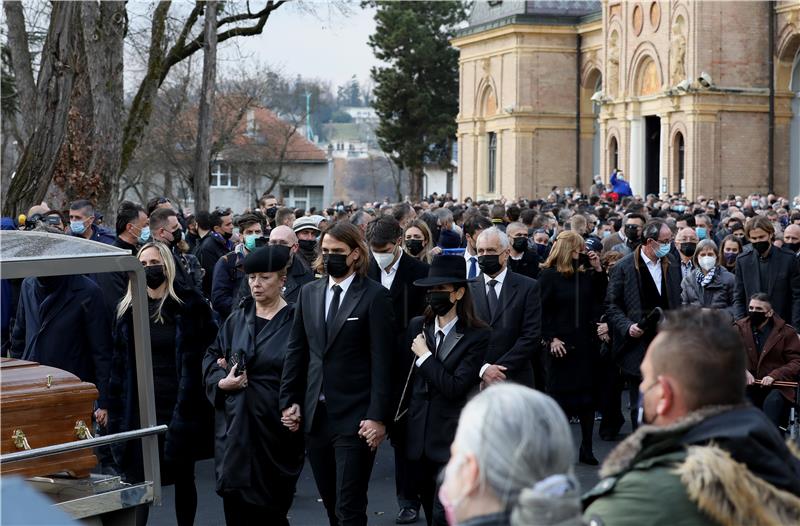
[416, 93]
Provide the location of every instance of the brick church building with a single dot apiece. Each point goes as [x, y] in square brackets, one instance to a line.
[698, 97]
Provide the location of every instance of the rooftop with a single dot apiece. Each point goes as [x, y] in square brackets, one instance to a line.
[497, 13]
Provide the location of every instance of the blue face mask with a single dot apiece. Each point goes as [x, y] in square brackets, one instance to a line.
[663, 250]
[144, 235]
[701, 232]
[541, 250]
[77, 227]
[250, 241]
[606, 233]
[756, 203]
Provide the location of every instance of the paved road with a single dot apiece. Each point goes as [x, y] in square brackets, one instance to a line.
[307, 509]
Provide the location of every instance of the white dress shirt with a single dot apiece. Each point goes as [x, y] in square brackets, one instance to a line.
[655, 269]
[387, 276]
[345, 284]
[446, 330]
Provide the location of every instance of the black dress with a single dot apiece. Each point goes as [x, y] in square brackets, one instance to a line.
[571, 307]
[258, 460]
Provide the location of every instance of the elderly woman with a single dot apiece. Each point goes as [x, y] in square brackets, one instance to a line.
[258, 460]
[511, 462]
[709, 285]
[181, 327]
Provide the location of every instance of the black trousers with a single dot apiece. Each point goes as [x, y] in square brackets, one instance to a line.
[404, 479]
[428, 481]
[342, 465]
[609, 390]
[772, 402]
[241, 513]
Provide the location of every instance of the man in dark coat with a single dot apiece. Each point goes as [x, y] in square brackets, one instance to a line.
[228, 285]
[132, 232]
[522, 259]
[215, 245]
[397, 271]
[298, 274]
[164, 227]
[639, 283]
[62, 322]
[511, 305]
[81, 223]
[773, 353]
[337, 373]
[770, 270]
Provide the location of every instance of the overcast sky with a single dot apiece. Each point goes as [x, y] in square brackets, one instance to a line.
[327, 44]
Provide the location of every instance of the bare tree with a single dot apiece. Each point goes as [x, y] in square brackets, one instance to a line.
[202, 152]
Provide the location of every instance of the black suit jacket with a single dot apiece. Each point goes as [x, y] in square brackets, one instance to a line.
[783, 283]
[408, 301]
[440, 387]
[352, 368]
[528, 265]
[516, 327]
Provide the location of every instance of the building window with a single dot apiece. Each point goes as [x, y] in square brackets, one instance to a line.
[223, 175]
[680, 162]
[305, 197]
[613, 155]
[492, 162]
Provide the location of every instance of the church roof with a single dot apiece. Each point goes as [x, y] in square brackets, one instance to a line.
[497, 13]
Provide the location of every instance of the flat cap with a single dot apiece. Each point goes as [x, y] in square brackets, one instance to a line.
[305, 223]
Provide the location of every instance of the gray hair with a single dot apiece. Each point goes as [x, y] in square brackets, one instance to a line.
[524, 449]
[705, 243]
[494, 231]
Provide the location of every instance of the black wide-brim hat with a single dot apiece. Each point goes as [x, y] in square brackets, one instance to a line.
[444, 270]
[270, 258]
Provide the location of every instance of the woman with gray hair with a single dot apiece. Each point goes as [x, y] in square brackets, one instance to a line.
[710, 286]
[511, 462]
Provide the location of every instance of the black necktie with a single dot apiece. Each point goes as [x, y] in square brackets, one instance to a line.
[492, 297]
[440, 341]
[334, 308]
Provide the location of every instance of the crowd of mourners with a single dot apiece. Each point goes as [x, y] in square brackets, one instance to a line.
[470, 334]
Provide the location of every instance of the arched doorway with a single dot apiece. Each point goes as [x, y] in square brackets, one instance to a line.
[794, 133]
[679, 162]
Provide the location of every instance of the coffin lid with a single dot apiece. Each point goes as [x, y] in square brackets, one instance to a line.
[17, 245]
[23, 379]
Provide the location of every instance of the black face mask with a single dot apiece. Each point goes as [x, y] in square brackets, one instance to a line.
[520, 244]
[227, 235]
[490, 264]
[439, 302]
[307, 245]
[155, 276]
[794, 247]
[757, 318]
[762, 247]
[687, 249]
[335, 265]
[583, 260]
[272, 211]
[414, 246]
[632, 232]
[177, 236]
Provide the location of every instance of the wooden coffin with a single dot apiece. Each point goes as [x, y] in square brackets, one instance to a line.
[42, 406]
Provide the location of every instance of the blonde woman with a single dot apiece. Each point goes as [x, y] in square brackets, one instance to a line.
[573, 286]
[418, 243]
[181, 328]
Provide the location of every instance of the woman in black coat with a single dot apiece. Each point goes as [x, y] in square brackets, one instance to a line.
[449, 342]
[258, 460]
[181, 328]
[572, 288]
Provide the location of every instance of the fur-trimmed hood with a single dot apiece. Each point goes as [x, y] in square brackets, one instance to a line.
[726, 482]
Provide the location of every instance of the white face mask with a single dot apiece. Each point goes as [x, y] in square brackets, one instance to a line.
[383, 259]
[707, 262]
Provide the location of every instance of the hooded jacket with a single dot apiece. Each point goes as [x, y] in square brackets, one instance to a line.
[719, 465]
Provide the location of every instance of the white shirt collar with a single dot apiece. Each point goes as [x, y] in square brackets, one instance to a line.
[446, 329]
[500, 278]
[469, 256]
[649, 262]
[345, 284]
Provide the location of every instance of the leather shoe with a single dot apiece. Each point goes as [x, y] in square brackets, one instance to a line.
[407, 516]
